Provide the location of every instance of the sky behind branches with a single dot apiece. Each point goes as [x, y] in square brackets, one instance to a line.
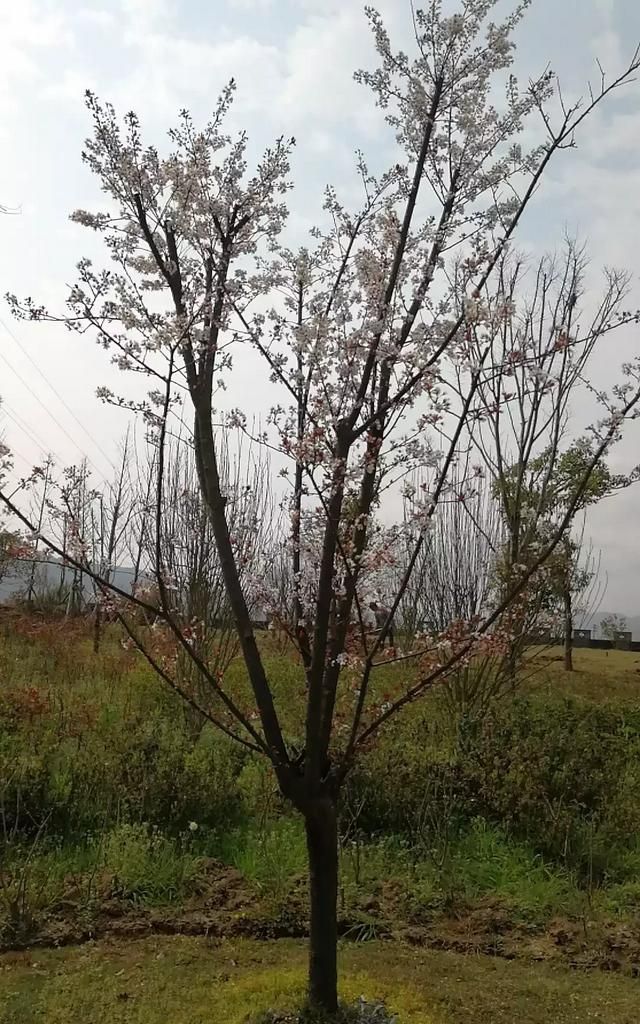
[293, 61]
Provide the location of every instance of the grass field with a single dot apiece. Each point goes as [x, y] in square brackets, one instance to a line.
[188, 981]
[517, 835]
[601, 676]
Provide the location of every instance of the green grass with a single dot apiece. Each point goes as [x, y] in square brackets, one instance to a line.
[101, 770]
[99, 753]
[383, 884]
[486, 862]
[269, 856]
[187, 981]
[598, 676]
[482, 861]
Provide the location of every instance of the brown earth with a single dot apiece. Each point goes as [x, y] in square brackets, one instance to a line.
[226, 905]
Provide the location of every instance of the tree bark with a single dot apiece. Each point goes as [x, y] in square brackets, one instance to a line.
[322, 846]
[568, 632]
[97, 622]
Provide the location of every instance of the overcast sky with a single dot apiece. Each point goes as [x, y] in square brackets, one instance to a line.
[293, 61]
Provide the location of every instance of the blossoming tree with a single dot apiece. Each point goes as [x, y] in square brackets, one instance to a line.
[6, 538]
[13, 547]
[379, 346]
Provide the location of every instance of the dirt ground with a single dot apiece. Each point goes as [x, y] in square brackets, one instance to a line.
[228, 907]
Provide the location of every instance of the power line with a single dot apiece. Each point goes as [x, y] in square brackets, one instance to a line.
[26, 429]
[14, 452]
[45, 448]
[55, 391]
[48, 411]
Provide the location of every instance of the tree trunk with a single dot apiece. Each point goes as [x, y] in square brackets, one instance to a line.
[97, 622]
[322, 845]
[568, 632]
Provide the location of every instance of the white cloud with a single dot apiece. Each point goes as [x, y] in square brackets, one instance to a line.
[69, 87]
[145, 15]
[26, 30]
[167, 73]
[605, 8]
[97, 16]
[322, 54]
[251, 5]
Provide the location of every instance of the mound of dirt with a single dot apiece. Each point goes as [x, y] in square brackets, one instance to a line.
[224, 904]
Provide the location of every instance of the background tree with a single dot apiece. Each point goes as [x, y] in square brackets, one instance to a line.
[453, 581]
[111, 514]
[5, 467]
[569, 578]
[184, 551]
[544, 340]
[541, 496]
[611, 625]
[14, 549]
[88, 518]
[39, 509]
[7, 537]
[393, 349]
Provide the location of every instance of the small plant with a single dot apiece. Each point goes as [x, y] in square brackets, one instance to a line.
[362, 1013]
[147, 866]
[367, 930]
[19, 903]
[24, 892]
[269, 856]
